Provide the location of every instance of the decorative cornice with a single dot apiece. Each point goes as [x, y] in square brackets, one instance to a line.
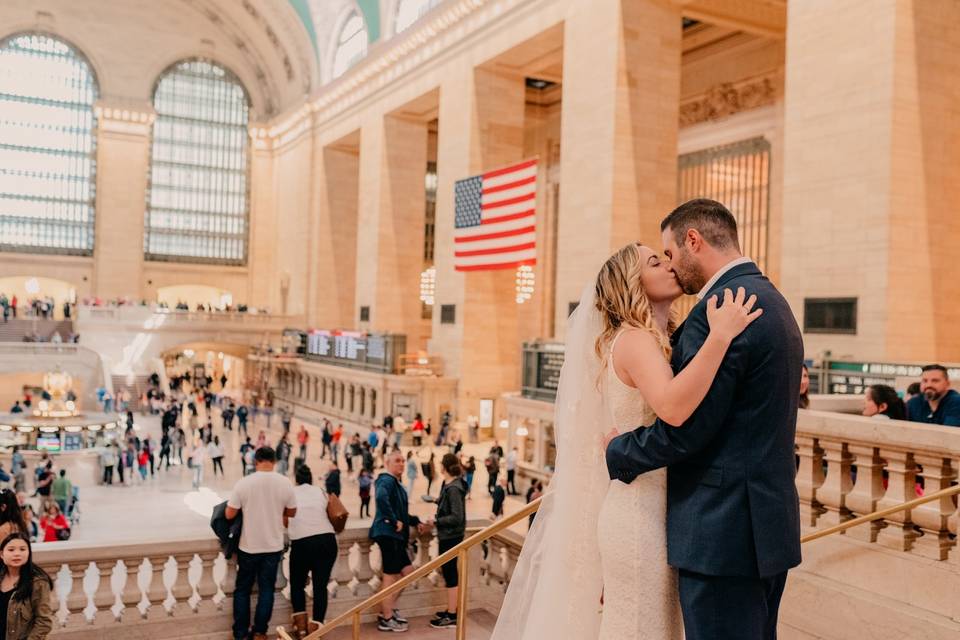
[115, 119]
[728, 98]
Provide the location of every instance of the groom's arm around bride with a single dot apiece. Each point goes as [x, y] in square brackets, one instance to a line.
[733, 523]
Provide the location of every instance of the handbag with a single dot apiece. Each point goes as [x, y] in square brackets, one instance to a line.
[63, 534]
[336, 512]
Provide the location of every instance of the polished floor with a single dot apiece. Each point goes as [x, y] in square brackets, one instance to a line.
[166, 506]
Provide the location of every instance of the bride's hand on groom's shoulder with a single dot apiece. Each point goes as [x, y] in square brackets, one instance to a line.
[730, 318]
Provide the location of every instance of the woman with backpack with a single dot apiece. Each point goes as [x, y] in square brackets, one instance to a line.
[313, 550]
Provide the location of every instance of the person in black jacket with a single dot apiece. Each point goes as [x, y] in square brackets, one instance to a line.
[333, 480]
[451, 524]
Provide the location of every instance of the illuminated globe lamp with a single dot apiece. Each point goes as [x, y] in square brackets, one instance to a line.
[57, 384]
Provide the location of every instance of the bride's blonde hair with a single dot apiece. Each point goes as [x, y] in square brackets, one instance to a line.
[622, 301]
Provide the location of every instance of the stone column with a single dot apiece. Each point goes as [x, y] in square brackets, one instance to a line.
[480, 128]
[393, 163]
[123, 153]
[334, 264]
[262, 289]
[873, 152]
[619, 134]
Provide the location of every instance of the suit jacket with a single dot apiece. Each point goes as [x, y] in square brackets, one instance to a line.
[732, 505]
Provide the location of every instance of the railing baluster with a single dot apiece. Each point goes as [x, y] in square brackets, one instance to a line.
[131, 595]
[833, 493]
[182, 591]
[207, 586]
[932, 517]
[104, 598]
[867, 490]
[157, 590]
[899, 533]
[364, 573]
[77, 598]
[809, 478]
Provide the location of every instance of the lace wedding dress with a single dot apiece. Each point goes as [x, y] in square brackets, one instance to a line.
[640, 599]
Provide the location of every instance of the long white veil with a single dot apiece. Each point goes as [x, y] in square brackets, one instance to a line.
[556, 586]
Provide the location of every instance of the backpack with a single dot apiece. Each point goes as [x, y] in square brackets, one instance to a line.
[490, 463]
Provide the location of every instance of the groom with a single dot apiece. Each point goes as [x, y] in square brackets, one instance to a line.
[733, 523]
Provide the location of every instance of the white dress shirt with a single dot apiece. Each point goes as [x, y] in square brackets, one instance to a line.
[712, 281]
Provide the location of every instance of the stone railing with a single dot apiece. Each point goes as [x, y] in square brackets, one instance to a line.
[184, 587]
[851, 466]
[158, 318]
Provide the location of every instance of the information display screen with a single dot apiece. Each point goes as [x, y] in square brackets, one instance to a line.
[48, 443]
[72, 441]
[354, 348]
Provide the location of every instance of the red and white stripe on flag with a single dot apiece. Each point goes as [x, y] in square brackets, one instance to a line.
[496, 219]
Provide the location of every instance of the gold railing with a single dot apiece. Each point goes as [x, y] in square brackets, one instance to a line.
[459, 553]
[883, 513]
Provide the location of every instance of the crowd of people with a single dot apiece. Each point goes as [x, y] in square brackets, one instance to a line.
[38, 307]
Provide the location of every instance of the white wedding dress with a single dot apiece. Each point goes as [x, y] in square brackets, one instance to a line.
[641, 601]
[592, 535]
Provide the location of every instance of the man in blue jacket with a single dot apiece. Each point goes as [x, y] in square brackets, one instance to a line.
[937, 402]
[733, 522]
[391, 532]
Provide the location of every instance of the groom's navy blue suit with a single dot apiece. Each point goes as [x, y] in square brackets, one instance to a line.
[733, 523]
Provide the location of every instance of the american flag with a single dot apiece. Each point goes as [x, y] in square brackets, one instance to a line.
[495, 219]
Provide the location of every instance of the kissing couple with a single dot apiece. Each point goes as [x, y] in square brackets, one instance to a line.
[672, 511]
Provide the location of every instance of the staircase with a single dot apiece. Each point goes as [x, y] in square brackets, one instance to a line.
[16, 329]
[136, 388]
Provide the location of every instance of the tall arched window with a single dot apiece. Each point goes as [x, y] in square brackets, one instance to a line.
[409, 11]
[351, 44]
[197, 202]
[47, 146]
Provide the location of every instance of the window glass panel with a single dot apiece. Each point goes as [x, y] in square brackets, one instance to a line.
[197, 205]
[409, 11]
[47, 146]
[351, 45]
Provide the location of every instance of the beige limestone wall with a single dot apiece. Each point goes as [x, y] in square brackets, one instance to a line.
[619, 135]
[292, 220]
[122, 160]
[262, 247]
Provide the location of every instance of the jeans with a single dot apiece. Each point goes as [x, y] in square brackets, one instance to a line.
[315, 555]
[197, 475]
[108, 474]
[259, 568]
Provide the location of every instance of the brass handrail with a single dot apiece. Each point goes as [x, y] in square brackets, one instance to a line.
[459, 553]
[883, 513]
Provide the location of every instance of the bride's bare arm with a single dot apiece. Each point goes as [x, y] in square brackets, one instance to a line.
[639, 362]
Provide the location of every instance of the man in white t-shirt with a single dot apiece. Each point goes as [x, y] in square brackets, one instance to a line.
[265, 498]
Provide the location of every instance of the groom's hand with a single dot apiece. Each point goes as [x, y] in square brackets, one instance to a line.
[609, 437]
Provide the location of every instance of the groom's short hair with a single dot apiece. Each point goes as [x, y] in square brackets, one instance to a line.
[710, 218]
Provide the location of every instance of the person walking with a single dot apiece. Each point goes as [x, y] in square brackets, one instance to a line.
[469, 469]
[364, 482]
[326, 438]
[215, 451]
[303, 437]
[313, 551]
[62, 490]
[332, 481]
[430, 471]
[451, 525]
[411, 472]
[108, 459]
[24, 592]
[198, 457]
[283, 455]
[335, 442]
[499, 496]
[266, 498]
[512, 472]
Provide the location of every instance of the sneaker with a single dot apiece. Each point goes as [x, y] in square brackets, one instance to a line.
[447, 621]
[399, 618]
[441, 614]
[390, 625]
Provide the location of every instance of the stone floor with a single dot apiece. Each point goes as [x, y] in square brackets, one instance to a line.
[480, 625]
[166, 505]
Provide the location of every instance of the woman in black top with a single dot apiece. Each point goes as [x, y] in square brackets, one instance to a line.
[25, 610]
[451, 523]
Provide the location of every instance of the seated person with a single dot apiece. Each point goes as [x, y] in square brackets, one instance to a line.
[937, 402]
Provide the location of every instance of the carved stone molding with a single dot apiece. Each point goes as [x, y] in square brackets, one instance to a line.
[728, 98]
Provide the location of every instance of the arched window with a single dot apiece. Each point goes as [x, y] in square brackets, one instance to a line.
[409, 11]
[197, 202]
[47, 146]
[351, 45]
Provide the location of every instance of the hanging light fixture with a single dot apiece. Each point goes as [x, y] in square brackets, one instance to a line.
[428, 285]
[525, 283]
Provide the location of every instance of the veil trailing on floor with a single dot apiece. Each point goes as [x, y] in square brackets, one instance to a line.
[556, 586]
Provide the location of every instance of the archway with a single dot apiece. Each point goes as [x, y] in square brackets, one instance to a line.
[27, 288]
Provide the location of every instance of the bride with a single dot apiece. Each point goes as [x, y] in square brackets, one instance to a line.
[595, 539]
